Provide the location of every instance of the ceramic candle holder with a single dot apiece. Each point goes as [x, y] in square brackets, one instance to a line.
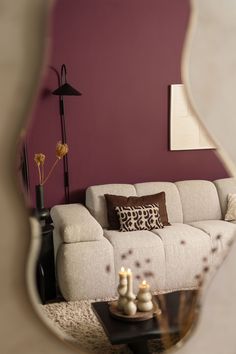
[122, 289]
[144, 298]
[130, 307]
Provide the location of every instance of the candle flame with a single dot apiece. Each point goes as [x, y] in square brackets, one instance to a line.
[144, 282]
[122, 269]
[128, 270]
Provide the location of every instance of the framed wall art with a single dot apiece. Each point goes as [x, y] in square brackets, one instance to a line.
[185, 131]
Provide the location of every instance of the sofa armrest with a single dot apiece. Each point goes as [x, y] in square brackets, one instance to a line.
[75, 224]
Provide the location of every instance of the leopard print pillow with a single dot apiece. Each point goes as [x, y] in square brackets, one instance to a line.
[145, 217]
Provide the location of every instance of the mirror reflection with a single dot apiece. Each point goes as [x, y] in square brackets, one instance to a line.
[131, 231]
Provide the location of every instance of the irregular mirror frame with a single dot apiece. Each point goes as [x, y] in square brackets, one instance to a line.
[23, 41]
[209, 77]
[19, 69]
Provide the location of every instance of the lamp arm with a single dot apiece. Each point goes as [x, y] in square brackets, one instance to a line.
[63, 71]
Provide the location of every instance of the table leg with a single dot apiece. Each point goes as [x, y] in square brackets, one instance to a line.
[139, 347]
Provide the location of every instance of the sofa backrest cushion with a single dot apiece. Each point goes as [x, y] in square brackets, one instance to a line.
[173, 203]
[199, 200]
[95, 200]
[224, 187]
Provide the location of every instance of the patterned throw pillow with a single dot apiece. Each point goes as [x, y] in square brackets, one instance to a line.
[113, 201]
[144, 217]
[231, 208]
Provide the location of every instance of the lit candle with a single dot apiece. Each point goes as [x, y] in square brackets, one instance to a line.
[129, 273]
[144, 297]
[144, 285]
[122, 272]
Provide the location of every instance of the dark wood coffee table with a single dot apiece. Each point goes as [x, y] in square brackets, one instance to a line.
[137, 334]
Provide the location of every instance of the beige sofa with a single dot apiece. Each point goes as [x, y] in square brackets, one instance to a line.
[89, 256]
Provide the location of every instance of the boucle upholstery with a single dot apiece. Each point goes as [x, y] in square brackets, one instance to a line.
[173, 202]
[199, 200]
[88, 264]
[184, 248]
[224, 187]
[95, 200]
[76, 223]
[220, 232]
[146, 248]
[215, 228]
[82, 269]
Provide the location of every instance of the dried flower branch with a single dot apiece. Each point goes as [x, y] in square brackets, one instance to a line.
[162, 318]
[39, 160]
[61, 151]
[50, 172]
[182, 312]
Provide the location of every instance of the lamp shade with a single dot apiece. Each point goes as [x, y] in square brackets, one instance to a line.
[66, 90]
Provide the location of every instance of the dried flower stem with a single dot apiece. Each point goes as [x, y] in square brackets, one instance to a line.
[193, 312]
[181, 312]
[40, 176]
[162, 318]
[50, 172]
[39, 158]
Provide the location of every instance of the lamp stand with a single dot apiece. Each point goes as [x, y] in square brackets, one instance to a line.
[64, 89]
[65, 158]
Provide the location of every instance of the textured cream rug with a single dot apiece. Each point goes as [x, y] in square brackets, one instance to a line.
[77, 320]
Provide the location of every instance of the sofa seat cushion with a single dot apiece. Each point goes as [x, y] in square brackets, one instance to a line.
[142, 252]
[221, 234]
[184, 247]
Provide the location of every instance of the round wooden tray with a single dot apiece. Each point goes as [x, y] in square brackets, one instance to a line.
[139, 316]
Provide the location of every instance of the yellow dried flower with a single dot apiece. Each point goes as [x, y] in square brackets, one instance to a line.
[61, 150]
[39, 159]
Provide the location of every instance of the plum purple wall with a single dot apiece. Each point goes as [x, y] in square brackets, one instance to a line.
[121, 55]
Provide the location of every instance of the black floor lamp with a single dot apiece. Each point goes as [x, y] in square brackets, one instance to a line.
[64, 89]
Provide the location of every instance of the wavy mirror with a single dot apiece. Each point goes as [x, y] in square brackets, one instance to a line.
[125, 244]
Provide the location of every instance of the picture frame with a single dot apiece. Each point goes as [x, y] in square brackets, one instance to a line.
[186, 132]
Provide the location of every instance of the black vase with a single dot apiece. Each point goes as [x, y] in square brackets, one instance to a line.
[41, 212]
